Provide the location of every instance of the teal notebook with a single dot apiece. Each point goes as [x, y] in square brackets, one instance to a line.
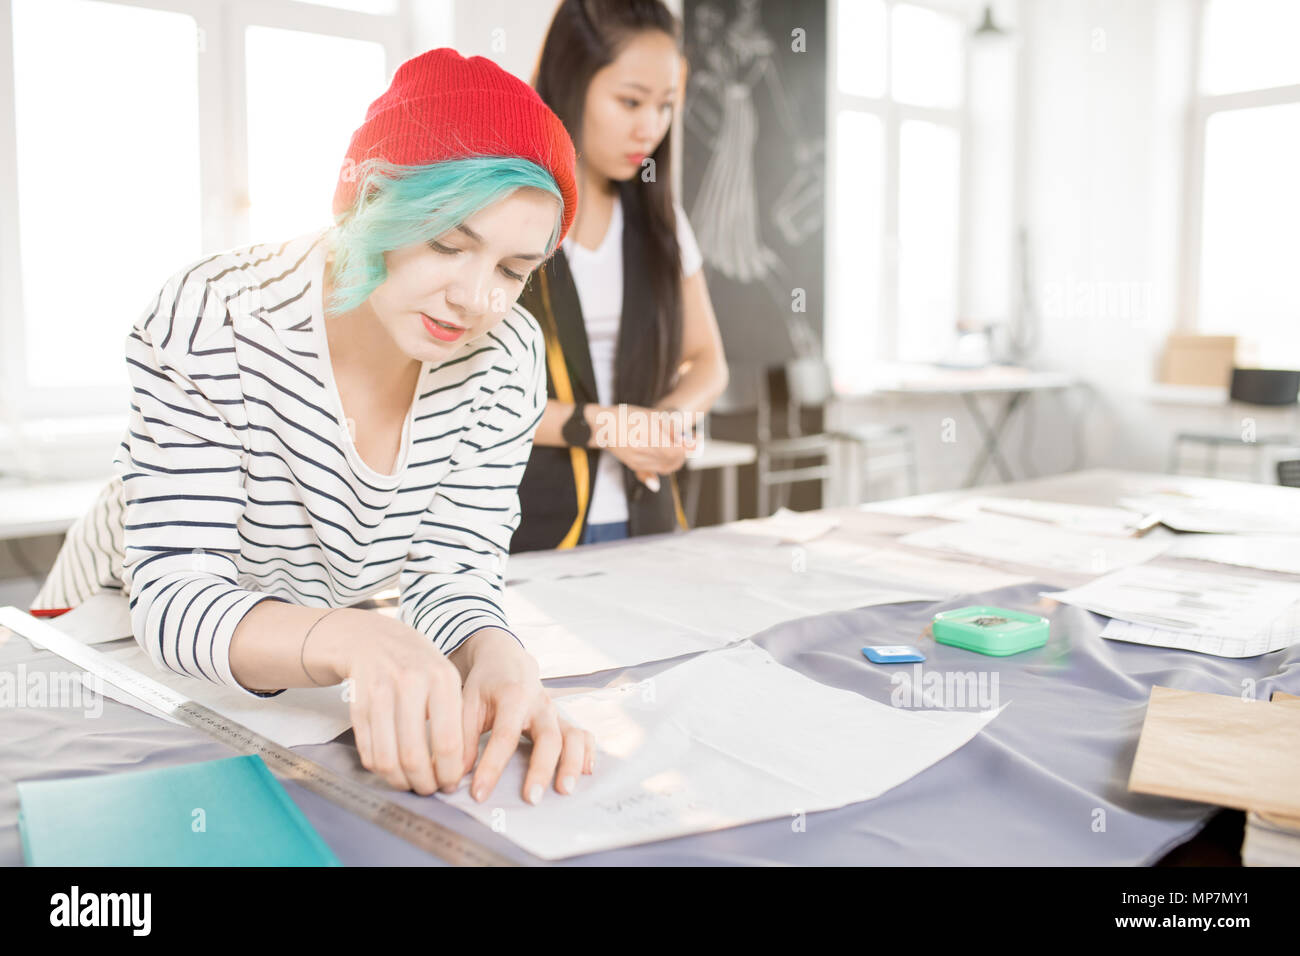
[230, 812]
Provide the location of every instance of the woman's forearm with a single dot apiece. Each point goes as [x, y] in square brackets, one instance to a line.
[267, 651]
[700, 384]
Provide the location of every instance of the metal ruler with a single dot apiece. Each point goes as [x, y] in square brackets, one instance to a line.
[443, 842]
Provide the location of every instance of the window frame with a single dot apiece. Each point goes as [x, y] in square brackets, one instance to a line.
[892, 114]
[1202, 106]
[223, 162]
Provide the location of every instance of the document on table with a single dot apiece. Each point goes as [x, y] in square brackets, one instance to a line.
[701, 746]
[301, 715]
[1088, 519]
[1268, 552]
[1282, 633]
[1035, 543]
[581, 613]
[1273, 510]
[1193, 602]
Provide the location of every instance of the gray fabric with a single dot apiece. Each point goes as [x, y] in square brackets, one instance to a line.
[1025, 791]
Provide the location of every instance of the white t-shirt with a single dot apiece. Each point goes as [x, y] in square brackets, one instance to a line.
[598, 276]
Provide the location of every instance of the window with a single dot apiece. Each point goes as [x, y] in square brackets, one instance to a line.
[898, 104]
[1245, 157]
[147, 134]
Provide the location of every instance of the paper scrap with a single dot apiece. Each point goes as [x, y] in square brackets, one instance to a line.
[789, 527]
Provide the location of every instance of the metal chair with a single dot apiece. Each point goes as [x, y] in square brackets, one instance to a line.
[808, 385]
[1250, 386]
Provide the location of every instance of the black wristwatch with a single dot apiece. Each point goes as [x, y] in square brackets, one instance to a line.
[576, 431]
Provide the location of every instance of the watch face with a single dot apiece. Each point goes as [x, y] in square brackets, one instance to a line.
[576, 431]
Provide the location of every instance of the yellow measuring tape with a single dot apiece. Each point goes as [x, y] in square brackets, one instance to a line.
[564, 393]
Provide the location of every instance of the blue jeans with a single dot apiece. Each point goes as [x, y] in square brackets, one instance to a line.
[610, 531]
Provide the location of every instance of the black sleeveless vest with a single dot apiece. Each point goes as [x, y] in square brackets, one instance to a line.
[555, 493]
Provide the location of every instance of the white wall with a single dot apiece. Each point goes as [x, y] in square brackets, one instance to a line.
[1108, 85]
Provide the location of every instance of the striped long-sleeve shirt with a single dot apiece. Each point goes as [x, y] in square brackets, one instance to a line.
[238, 481]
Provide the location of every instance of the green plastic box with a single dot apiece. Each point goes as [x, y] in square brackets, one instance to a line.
[995, 631]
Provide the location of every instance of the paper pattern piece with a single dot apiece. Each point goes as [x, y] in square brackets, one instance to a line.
[301, 715]
[1194, 602]
[1212, 748]
[700, 746]
[1268, 552]
[1088, 519]
[1035, 543]
[946, 577]
[578, 613]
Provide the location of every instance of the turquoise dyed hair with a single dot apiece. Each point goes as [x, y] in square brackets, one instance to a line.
[397, 206]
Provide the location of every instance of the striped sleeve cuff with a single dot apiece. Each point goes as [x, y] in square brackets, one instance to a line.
[185, 624]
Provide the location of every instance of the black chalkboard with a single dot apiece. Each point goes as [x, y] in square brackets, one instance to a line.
[754, 170]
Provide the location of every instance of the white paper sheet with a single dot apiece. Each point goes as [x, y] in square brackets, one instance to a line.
[301, 715]
[945, 576]
[1283, 633]
[1037, 544]
[701, 746]
[1268, 552]
[646, 602]
[102, 617]
[789, 527]
[1088, 519]
[1270, 510]
[1193, 602]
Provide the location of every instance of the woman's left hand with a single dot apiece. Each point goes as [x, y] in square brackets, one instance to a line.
[504, 694]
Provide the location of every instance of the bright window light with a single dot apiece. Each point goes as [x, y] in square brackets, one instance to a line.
[109, 201]
[307, 93]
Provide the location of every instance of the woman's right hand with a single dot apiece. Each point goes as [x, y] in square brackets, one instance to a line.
[400, 680]
[653, 443]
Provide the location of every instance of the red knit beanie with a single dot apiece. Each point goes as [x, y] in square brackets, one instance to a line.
[443, 106]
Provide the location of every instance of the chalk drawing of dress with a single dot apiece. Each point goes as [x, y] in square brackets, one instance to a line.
[725, 214]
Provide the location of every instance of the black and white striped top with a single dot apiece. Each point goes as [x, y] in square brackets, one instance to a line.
[238, 480]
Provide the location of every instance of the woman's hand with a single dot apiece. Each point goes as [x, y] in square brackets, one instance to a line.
[400, 681]
[655, 442]
[503, 693]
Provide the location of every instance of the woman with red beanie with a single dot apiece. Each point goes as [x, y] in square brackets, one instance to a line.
[317, 420]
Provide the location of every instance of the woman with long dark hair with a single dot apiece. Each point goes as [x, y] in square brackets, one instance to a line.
[634, 356]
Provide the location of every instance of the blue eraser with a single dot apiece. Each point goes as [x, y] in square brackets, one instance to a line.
[893, 654]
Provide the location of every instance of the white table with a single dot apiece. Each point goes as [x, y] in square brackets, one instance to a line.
[1012, 382]
[32, 508]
